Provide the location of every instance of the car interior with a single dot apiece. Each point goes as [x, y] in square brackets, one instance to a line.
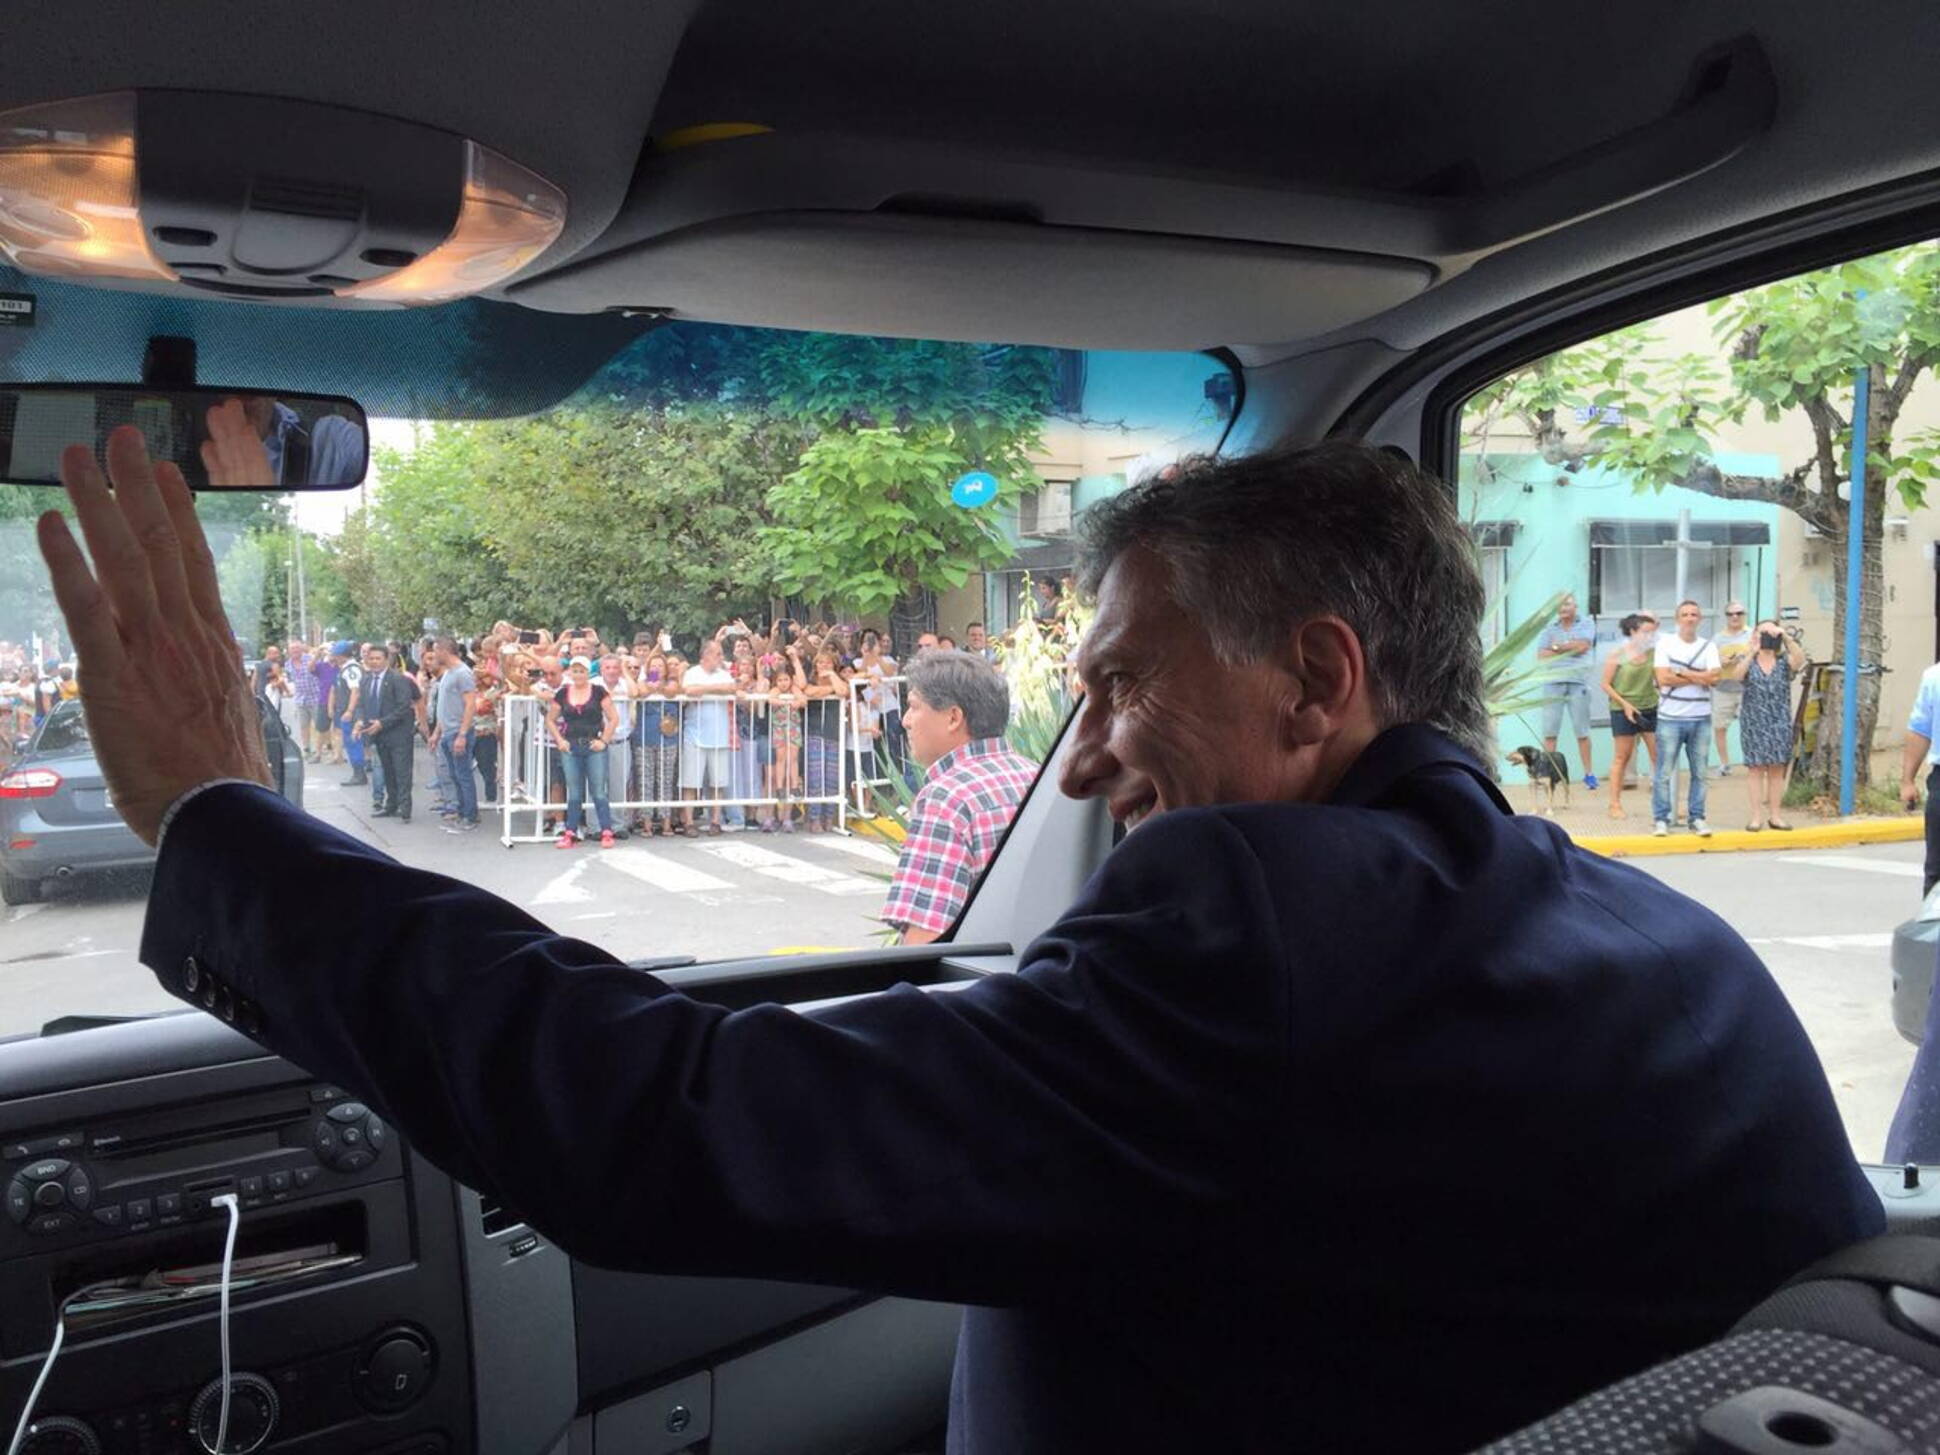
[1365, 212]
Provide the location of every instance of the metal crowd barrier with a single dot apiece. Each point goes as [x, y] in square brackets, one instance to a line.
[877, 747]
[662, 751]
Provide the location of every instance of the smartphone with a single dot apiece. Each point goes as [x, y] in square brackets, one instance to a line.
[529, 638]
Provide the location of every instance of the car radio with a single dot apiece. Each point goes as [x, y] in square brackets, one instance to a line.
[161, 1170]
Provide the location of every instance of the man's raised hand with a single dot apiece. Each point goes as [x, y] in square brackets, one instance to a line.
[159, 669]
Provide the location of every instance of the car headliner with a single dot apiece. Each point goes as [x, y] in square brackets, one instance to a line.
[1044, 171]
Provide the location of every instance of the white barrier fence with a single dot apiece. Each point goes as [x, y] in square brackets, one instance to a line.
[877, 747]
[748, 755]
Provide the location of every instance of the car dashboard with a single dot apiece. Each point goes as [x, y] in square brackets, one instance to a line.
[376, 1304]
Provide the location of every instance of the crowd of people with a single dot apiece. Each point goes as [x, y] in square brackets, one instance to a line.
[743, 730]
[1677, 692]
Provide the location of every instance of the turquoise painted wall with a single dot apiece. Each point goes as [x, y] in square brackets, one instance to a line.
[1553, 511]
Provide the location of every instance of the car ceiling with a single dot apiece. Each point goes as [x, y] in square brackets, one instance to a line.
[1276, 177]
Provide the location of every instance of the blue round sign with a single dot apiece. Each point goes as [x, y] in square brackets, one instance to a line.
[979, 487]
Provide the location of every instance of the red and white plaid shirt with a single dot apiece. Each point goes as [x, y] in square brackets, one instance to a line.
[966, 803]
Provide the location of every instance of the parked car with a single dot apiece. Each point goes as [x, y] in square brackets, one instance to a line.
[1916, 944]
[57, 819]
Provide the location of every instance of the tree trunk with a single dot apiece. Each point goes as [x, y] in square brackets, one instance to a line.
[1824, 767]
[911, 616]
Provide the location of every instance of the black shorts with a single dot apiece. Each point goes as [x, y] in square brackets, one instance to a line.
[1623, 727]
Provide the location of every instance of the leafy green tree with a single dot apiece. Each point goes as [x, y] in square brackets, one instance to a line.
[867, 519]
[1790, 348]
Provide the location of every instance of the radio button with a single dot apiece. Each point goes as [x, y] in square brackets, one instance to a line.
[348, 1111]
[53, 1222]
[80, 1191]
[49, 1195]
[168, 1205]
[352, 1136]
[139, 1210]
[47, 1170]
[16, 1151]
[251, 1186]
[66, 1142]
[278, 1182]
[374, 1134]
[355, 1161]
[324, 1139]
[306, 1175]
[108, 1215]
[20, 1200]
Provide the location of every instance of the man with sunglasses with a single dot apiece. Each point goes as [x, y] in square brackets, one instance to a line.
[1728, 695]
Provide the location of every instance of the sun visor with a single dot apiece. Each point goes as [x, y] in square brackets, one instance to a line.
[883, 274]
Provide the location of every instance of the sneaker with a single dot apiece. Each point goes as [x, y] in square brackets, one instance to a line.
[606, 838]
[462, 826]
[1660, 830]
[1589, 781]
[565, 840]
[1700, 828]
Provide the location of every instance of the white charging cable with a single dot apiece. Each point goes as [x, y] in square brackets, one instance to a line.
[33, 1397]
[228, 1200]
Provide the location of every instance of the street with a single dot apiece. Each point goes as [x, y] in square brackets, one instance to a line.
[1822, 921]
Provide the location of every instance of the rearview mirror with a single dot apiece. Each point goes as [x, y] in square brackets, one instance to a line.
[222, 439]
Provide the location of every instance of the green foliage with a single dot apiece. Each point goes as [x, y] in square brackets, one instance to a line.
[1509, 684]
[867, 518]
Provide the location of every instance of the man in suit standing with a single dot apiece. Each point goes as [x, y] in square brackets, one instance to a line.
[387, 714]
[1343, 1109]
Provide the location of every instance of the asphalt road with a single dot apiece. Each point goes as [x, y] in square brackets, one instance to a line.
[1822, 922]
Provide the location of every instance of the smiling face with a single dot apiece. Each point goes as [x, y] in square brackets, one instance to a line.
[1688, 616]
[1165, 724]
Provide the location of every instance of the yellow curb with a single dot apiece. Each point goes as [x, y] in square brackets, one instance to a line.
[1807, 836]
[884, 828]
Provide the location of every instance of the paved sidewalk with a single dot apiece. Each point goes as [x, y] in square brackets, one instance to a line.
[1587, 820]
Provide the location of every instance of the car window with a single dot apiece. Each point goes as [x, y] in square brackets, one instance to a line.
[743, 539]
[1663, 518]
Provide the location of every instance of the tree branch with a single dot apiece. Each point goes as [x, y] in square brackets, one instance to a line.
[1788, 491]
[1826, 424]
[1917, 363]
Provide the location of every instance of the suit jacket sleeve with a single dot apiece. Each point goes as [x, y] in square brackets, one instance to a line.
[1058, 1124]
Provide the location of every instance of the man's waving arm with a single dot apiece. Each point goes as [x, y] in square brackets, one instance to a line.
[1068, 1122]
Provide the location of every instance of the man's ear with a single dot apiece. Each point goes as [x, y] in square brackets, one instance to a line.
[1330, 670]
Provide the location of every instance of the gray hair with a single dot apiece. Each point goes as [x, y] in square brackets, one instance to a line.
[1259, 542]
[958, 679]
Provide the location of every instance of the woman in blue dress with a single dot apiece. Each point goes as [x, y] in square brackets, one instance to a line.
[1765, 721]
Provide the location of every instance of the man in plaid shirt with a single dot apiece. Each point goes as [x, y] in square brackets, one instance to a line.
[958, 709]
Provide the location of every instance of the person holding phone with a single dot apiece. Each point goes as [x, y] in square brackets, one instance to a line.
[1765, 720]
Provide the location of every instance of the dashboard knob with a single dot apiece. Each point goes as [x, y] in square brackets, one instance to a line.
[253, 1408]
[60, 1435]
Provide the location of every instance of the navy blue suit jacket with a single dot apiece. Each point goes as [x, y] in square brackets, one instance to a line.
[1386, 1123]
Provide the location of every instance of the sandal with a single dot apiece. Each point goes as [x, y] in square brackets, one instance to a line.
[1752, 828]
[1783, 828]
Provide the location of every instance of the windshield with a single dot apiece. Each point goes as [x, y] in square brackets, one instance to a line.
[638, 662]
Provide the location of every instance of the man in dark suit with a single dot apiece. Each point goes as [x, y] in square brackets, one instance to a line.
[386, 718]
[1344, 1110]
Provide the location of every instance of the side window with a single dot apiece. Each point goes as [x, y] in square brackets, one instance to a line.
[1662, 518]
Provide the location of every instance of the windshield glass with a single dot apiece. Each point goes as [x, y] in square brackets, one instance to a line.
[639, 661]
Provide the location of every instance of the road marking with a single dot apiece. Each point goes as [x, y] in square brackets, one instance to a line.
[564, 888]
[1878, 940]
[1854, 861]
[861, 848]
[657, 871]
[791, 870]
